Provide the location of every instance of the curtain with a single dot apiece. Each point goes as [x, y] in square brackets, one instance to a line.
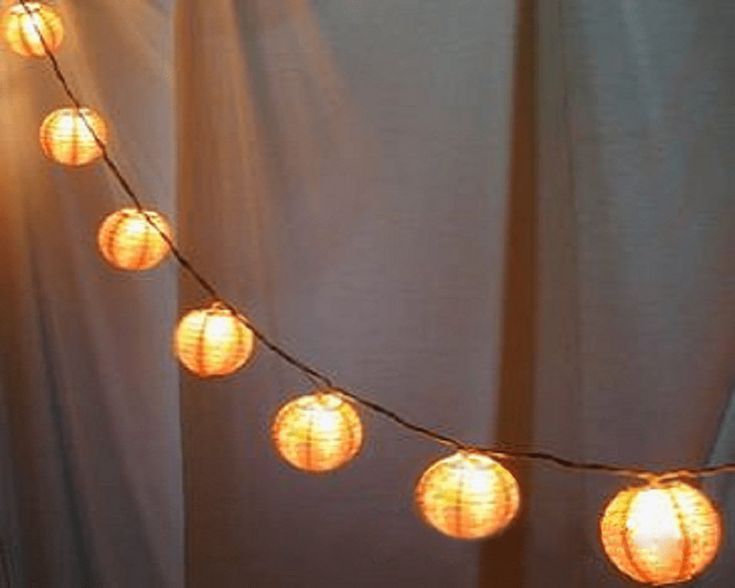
[509, 221]
[91, 460]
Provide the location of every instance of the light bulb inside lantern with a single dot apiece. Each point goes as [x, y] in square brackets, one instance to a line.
[661, 534]
[21, 25]
[318, 432]
[128, 240]
[213, 341]
[468, 495]
[67, 136]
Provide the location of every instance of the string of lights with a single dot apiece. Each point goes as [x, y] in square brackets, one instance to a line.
[317, 377]
[457, 495]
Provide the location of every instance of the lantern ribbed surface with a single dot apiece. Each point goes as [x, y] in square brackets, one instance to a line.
[468, 496]
[127, 240]
[66, 138]
[661, 534]
[318, 432]
[19, 29]
[213, 341]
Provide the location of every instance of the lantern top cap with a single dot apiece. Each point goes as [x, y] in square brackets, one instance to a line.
[132, 211]
[19, 8]
[474, 458]
[74, 110]
[326, 398]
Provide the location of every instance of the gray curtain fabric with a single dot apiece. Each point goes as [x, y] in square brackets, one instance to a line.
[510, 221]
[90, 443]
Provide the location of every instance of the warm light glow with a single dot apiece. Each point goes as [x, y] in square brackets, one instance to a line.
[127, 240]
[468, 496]
[317, 433]
[66, 138]
[661, 534]
[213, 342]
[20, 29]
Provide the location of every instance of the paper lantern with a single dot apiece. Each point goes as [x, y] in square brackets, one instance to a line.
[213, 341]
[662, 533]
[127, 240]
[468, 496]
[318, 432]
[21, 29]
[66, 138]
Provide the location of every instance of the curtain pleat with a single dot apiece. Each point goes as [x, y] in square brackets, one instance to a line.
[91, 437]
[509, 221]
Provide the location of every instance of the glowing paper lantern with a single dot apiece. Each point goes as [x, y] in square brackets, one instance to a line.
[213, 341]
[20, 28]
[66, 138]
[468, 496]
[661, 534]
[128, 241]
[318, 432]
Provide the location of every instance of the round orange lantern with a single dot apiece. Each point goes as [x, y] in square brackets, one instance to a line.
[21, 26]
[662, 533]
[127, 240]
[66, 137]
[468, 495]
[213, 341]
[318, 432]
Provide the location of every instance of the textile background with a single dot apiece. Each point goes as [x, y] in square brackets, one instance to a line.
[510, 221]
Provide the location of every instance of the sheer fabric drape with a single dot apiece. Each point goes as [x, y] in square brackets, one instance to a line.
[89, 413]
[511, 221]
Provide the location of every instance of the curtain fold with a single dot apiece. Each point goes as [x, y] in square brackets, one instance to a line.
[351, 161]
[636, 286]
[509, 221]
[92, 473]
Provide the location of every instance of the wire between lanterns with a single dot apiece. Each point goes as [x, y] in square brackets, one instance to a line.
[318, 378]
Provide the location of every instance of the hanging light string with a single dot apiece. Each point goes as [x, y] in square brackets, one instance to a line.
[317, 377]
